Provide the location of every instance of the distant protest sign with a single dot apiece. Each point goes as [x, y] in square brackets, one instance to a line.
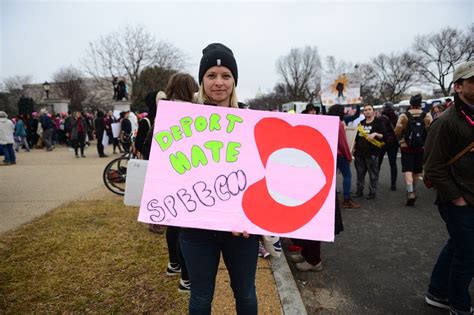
[341, 89]
[230, 169]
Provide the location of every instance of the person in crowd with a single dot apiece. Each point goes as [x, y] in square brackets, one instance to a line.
[218, 77]
[67, 128]
[109, 120]
[368, 143]
[48, 129]
[411, 129]
[350, 118]
[436, 111]
[32, 128]
[180, 87]
[99, 129]
[89, 119]
[448, 102]
[20, 133]
[126, 131]
[344, 158]
[389, 119]
[448, 163]
[309, 259]
[78, 133]
[358, 117]
[144, 139]
[7, 130]
[56, 119]
[310, 109]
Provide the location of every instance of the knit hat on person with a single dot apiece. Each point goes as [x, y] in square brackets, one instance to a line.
[217, 54]
[464, 71]
[415, 100]
[388, 107]
[3, 114]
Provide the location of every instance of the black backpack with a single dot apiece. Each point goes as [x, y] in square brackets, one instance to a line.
[415, 134]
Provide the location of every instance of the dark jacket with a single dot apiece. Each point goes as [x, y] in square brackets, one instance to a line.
[99, 126]
[364, 148]
[74, 125]
[447, 136]
[126, 126]
[144, 126]
[46, 122]
[389, 124]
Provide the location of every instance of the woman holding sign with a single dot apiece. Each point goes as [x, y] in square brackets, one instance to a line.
[202, 248]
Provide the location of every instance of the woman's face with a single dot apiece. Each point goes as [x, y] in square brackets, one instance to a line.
[218, 84]
[78, 114]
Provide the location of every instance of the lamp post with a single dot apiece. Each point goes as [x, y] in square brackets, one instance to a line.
[46, 87]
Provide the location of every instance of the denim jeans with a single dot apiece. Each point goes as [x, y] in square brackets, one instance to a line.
[8, 153]
[202, 249]
[453, 272]
[344, 167]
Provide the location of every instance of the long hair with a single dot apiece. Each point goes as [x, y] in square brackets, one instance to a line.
[336, 110]
[204, 99]
[181, 86]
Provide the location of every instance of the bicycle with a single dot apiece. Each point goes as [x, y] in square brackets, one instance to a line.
[115, 173]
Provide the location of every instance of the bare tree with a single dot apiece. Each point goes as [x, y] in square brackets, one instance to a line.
[69, 84]
[300, 71]
[368, 84]
[271, 100]
[395, 73]
[13, 86]
[439, 53]
[337, 66]
[126, 53]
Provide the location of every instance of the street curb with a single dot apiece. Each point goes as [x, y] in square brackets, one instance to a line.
[290, 297]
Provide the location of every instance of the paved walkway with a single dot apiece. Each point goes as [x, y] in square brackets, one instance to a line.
[41, 181]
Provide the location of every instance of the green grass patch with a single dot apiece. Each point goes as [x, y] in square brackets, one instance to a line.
[87, 257]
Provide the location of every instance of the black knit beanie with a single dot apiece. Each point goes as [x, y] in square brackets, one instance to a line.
[415, 100]
[217, 55]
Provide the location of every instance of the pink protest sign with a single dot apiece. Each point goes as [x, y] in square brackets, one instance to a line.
[229, 169]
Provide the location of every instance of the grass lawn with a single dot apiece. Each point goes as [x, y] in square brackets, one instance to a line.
[89, 257]
[94, 257]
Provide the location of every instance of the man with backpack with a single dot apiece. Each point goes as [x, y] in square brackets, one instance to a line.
[411, 130]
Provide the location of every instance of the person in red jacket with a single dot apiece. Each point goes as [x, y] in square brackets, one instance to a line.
[344, 158]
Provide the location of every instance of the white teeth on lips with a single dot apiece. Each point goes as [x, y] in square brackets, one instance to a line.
[295, 158]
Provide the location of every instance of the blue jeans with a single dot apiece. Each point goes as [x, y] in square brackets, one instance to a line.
[8, 153]
[202, 249]
[453, 272]
[344, 167]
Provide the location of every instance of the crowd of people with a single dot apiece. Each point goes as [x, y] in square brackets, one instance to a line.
[76, 130]
[428, 143]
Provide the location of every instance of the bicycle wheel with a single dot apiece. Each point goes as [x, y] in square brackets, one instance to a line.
[115, 175]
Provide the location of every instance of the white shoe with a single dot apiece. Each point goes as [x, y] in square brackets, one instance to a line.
[184, 286]
[306, 266]
[297, 258]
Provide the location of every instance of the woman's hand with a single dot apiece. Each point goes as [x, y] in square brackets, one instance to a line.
[245, 234]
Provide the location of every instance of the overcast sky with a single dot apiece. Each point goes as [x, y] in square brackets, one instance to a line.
[39, 37]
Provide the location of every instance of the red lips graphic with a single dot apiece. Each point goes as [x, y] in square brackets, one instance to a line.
[272, 134]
